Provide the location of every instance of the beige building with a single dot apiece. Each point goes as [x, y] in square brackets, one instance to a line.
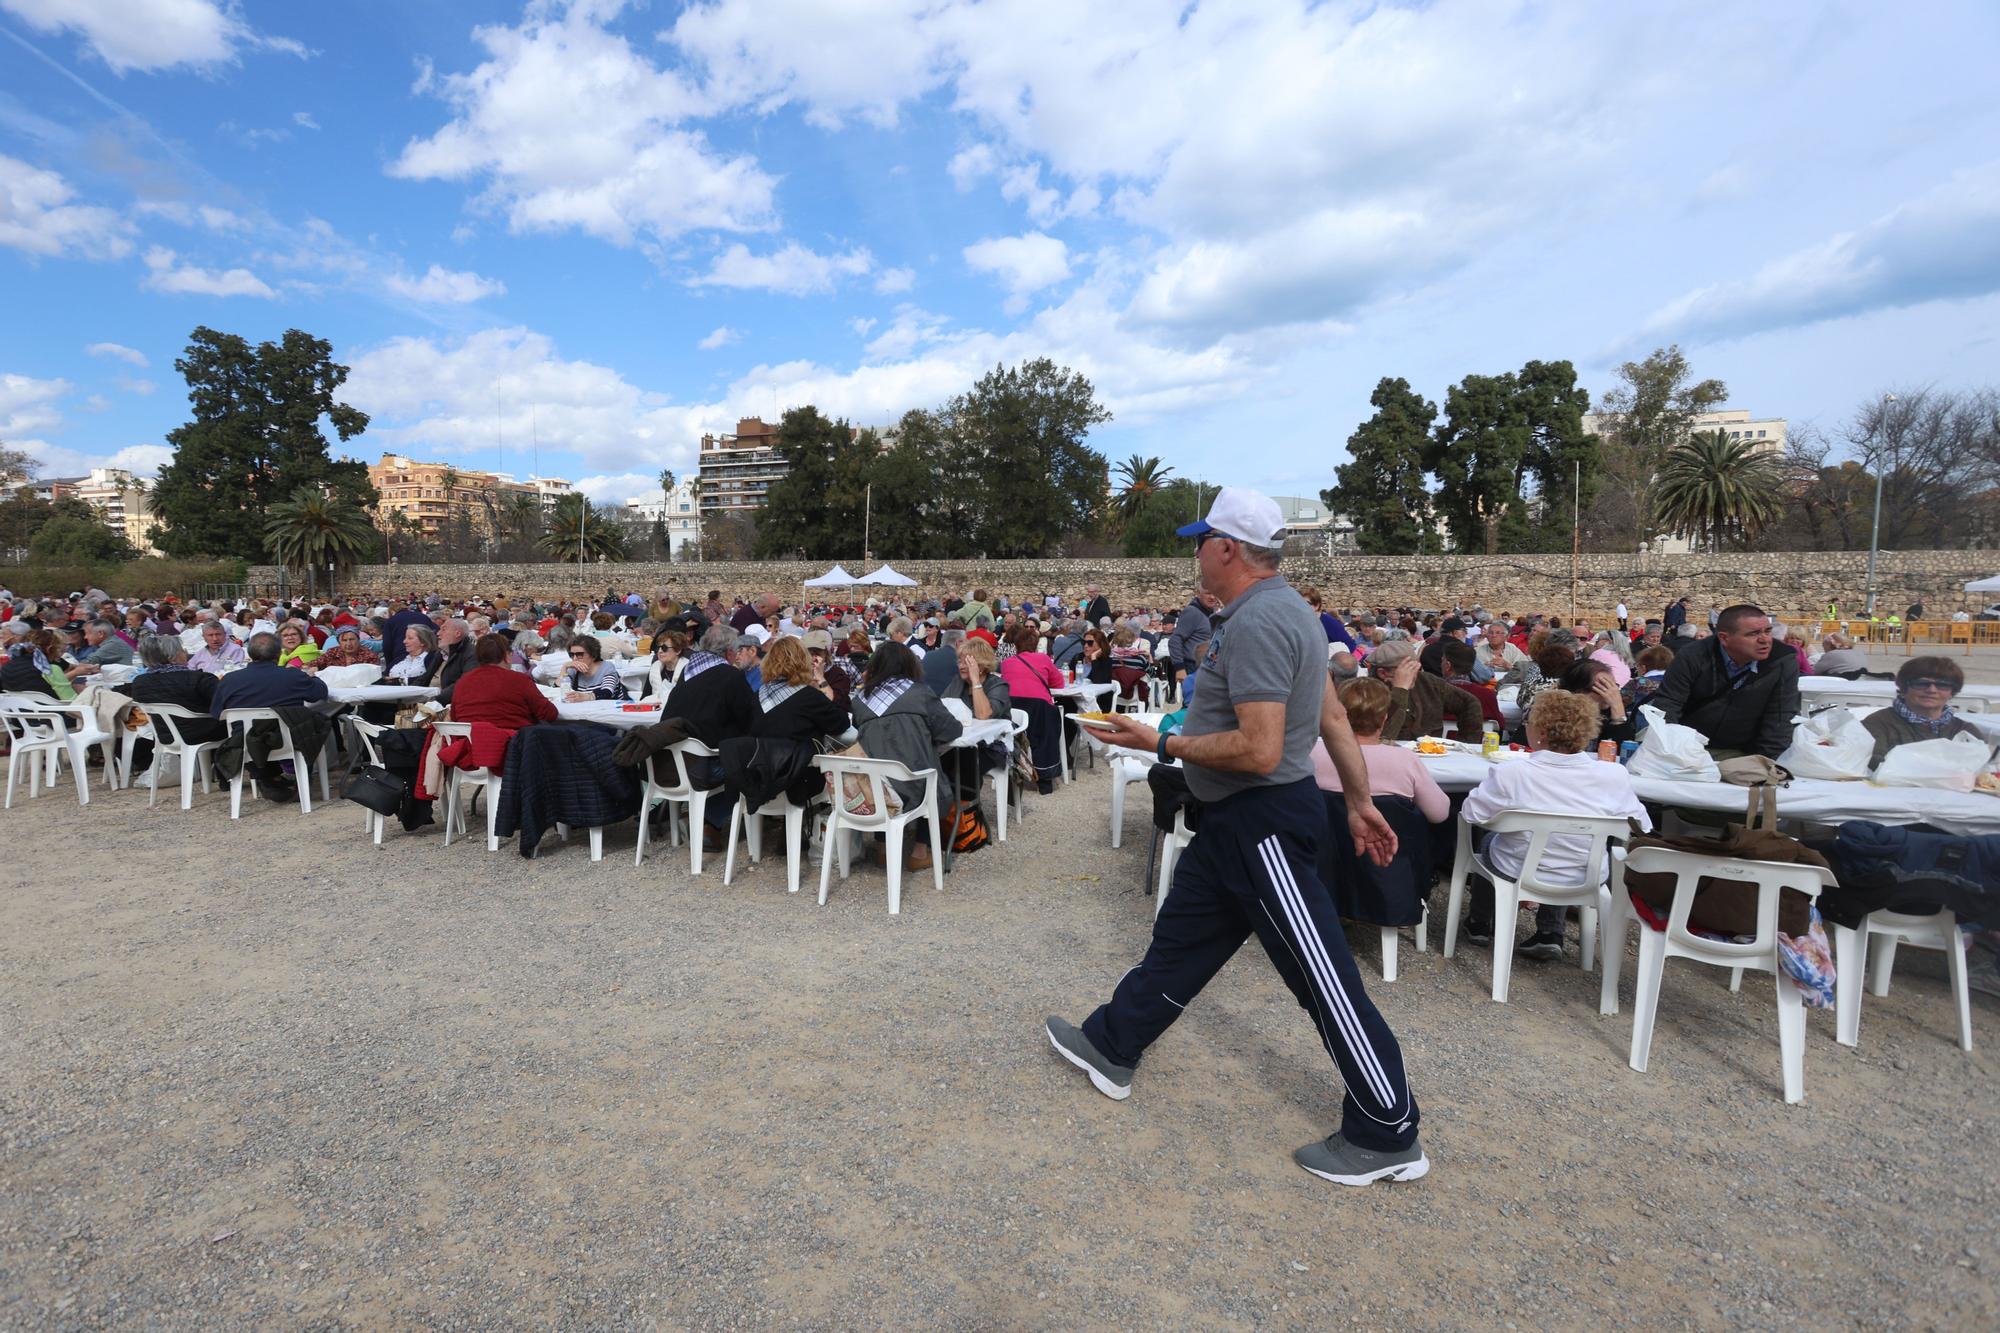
[120, 499]
[680, 511]
[737, 471]
[1767, 433]
[429, 495]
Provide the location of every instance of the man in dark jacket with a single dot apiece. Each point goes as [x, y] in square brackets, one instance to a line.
[1733, 689]
[265, 684]
[1190, 636]
[1099, 609]
[455, 649]
[392, 633]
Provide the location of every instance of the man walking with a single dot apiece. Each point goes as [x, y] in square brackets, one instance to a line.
[1247, 748]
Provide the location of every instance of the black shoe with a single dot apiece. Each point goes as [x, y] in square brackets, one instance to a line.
[1477, 932]
[1546, 945]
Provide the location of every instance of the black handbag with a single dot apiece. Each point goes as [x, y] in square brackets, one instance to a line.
[376, 788]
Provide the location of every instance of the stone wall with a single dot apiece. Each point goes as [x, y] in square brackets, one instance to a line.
[1790, 582]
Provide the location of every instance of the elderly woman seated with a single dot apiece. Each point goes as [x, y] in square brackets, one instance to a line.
[35, 665]
[1840, 658]
[1561, 777]
[1392, 771]
[670, 652]
[1921, 710]
[346, 650]
[164, 678]
[589, 675]
[495, 694]
[295, 646]
[797, 703]
[419, 662]
[899, 717]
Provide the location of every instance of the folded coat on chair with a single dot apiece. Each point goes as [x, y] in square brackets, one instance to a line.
[561, 773]
[1391, 895]
[760, 769]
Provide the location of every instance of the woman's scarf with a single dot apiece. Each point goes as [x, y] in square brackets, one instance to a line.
[775, 693]
[1935, 725]
[698, 662]
[882, 696]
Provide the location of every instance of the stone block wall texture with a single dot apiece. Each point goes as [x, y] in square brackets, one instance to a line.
[1787, 582]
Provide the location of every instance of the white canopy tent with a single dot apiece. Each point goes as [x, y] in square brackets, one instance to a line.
[1991, 585]
[888, 578]
[837, 577]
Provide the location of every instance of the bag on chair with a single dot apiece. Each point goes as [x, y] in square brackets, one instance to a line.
[856, 792]
[1721, 906]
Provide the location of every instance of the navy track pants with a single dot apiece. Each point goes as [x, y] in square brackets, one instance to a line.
[1252, 866]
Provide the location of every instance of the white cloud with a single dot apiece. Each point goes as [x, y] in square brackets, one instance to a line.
[721, 337]
[859, 57]
[150, 34]
[304, 120]
[1942, 245]
[969, 166]
[1024, 264]
[36, 216]
[167, 274]
[792, 270]
[890, 281]
[212, 217]
[442, 286]
[129, 384]
[130, 355]
[28, 405]
[569, 127]
[620, 488]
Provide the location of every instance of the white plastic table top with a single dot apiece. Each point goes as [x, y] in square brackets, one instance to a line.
[609, 713]
[1812, 799]
[379, 694]
[1885, 690]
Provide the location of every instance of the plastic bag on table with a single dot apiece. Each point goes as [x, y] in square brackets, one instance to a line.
[1831, 744]
[1953, 764]
[1672, 751]
[350, 677]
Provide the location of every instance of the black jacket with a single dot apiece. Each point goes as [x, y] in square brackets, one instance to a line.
[807, 715]
[716, 704]
[457, 660]
[1098, 610]
[185, 689]
[19, 676]
[1755, 717]
[562, 773]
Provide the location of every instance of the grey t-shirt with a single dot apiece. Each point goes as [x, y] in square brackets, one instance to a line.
[1267, 646]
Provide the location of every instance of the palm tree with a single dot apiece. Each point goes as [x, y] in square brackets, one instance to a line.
[1142, 478]
[577, 532]
[1711, 487]
[666, 516]
[313, 529]
[522, 520]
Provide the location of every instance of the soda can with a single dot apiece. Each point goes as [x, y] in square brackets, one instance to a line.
[1626, 751]
[1608, 751]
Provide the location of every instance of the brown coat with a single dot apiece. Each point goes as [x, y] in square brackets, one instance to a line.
[1421, 710]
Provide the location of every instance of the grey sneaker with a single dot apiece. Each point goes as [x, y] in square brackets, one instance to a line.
[1114, 1081]
[1344, 1163]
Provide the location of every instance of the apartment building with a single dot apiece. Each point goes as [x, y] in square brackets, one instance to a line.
[737, 471]
[680, 510]
[431, 496]
[120, 499]
[1766, 433]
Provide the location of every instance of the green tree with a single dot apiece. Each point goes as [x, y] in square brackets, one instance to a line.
[1017, 439]
[1649, 411]
[816, 506]
[253, 438]
[1714, 488]
[579, 531]
[1563, 460]
[1382, 487]
[1153, 530]
[73, 539]
[1139, 478]
[1479, 453]
[313, 530]
[917, 510]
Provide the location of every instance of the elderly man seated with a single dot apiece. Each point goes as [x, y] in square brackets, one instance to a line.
[218, 652]
[265, 684]
[1733, 689]
[105, 648]
[716, 701]
[1419, 701]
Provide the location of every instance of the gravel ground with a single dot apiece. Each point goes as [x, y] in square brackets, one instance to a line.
[299, 1080]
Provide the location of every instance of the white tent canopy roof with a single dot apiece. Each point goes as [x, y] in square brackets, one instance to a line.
[889, 578]
[837, 577]
[1984, 585]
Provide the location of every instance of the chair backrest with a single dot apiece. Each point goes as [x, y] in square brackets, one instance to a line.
[876, 773]
[453, 729]
[1971, 703]
[172, 715]
[369, 734]
[1018, 719]
[1689, 868]
[233, 718]
[1390, 895]
[1820, 700]
[677, 756]
[27, 722]
[1540, 826]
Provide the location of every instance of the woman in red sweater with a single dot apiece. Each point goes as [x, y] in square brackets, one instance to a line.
[494, 694]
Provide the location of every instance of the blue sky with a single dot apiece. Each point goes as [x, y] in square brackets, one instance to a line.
[584, 233]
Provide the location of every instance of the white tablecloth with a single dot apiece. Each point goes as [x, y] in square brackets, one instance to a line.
[1805, 798]
[609, 713]
[1885, 690]
[379, 694]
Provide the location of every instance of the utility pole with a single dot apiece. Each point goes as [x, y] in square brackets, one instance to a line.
[1575, 533]
[867, 523]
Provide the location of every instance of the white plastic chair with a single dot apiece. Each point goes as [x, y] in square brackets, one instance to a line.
[1127, 767]
[367, 734]
[680, 792]
[1885, 930]
[1760, 954]
[46, 731]
[1095, 699]
[1591, 895]
[841, 822]
[192, 756]
[1392, 937]
[456, 799]
[751, 823]
[233, 718]
[1003, 776]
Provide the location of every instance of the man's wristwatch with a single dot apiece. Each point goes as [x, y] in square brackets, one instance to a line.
[1161, 748]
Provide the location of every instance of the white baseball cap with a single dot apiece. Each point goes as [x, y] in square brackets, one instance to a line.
[1247, 516]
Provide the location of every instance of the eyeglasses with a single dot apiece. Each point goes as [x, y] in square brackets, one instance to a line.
[1949, 687]
[578, 652]
[1201, 540]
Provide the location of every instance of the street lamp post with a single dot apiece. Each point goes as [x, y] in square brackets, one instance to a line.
[1875, 528]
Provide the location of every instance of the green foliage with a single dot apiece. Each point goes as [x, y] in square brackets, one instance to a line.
[578, 531]
[918, 511]
[1714, 488]
[1139, 479]
[817, 506]
[311, 531]
[1382, 486]
[1152, 530]
[67, 539]
[254, 437]
[1505, 456]
[1648, 412]
[145, 577]
[22, 516]
[1019, 437]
